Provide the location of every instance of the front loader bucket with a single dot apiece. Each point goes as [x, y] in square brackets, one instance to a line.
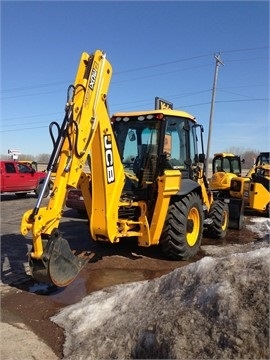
[58, 265]
[236, 211]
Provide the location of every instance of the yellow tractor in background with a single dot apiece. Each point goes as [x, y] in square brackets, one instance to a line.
[262, 159]
[31, 163]
[225, 168]
[146, 180]
[254, 187]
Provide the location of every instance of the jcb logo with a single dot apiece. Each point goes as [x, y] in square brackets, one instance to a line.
[93, 76]
[109, 158]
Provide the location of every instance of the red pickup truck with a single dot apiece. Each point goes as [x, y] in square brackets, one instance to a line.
[20, 178]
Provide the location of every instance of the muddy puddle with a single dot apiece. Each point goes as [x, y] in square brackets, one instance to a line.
[131, 265]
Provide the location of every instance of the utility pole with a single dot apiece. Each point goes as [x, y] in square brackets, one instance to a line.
[218, 62]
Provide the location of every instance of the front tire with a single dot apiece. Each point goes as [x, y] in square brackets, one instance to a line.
[219, 213]
[182, 231]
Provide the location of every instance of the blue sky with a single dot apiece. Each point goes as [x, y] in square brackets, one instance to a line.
[156, 48]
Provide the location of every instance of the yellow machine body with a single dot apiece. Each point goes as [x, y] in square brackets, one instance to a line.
[257, 192]
[144, 179]
[225, 167]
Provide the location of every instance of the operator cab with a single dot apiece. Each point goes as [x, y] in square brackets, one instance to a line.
[151, 142]
[226, 162]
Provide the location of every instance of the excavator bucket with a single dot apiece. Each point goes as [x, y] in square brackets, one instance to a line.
[58, 265]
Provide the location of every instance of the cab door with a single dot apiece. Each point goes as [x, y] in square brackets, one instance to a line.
[10, 177]
[27, 180]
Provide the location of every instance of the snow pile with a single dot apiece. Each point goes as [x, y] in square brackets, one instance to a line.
[260, 226]
[215, 308]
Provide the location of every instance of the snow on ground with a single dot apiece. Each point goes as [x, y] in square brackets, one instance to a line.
[259, 225]
[216, 308]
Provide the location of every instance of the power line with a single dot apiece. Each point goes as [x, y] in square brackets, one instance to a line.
[23, 124]
[161, 64]
[172, 97]
[31, 128]
[177, 106]
[244, 49]
[146, 67]
[33, 87]
[190, 58]
[113, 81]
[36, 94]
[220, 101]
[31, 116]
[153, 75]
[160, 74]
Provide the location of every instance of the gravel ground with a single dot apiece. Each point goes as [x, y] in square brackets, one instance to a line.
[25, 313]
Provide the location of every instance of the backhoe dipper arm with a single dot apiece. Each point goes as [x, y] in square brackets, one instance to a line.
[51, 258]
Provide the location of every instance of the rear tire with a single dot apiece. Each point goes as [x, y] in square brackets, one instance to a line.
[219, 213]
[182, 231]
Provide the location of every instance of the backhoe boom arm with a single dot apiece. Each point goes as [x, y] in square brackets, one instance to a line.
[86, 125]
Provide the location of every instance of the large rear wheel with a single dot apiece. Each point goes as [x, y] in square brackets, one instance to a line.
[182, 231]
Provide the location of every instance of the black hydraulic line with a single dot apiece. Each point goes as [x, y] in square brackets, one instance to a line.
[54, 157]
[53, 123]
[61, 137]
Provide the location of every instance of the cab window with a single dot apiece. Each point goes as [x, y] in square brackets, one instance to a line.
[24, 169]
[10, 168]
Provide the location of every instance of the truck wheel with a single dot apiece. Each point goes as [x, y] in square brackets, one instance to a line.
[182, 231]
[219, 213]
[39, 188]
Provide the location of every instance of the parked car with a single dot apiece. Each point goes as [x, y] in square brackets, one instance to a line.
[75, 201]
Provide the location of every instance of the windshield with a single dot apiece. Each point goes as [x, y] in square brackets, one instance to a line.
[135, 139]
[142, 142]
[227, 164]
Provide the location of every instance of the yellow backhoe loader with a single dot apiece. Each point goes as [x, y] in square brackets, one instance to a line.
[146, 179]
[253, 188]
[262, 159]
[258, 195]
[225, 168]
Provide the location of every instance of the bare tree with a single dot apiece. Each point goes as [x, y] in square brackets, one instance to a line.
[43, 158]
[249, 155]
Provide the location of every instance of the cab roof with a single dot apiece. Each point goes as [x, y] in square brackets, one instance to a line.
[225, 155]
[170, 112]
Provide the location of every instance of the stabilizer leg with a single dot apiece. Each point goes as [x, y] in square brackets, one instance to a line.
[236, 211]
